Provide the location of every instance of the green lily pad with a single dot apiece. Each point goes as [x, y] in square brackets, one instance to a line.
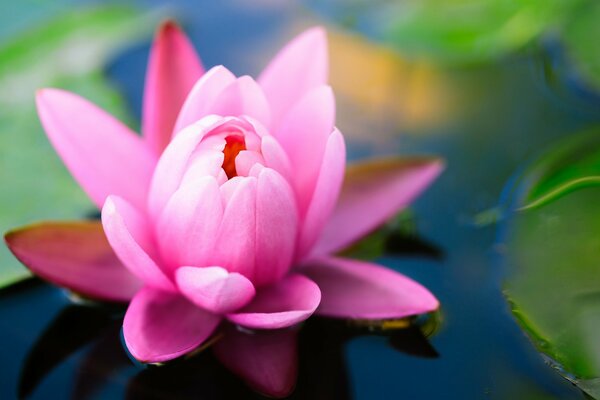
[467, 31]
[68, 52]
[572, 165]
[553, 255]
[580, 35]
[474, 31]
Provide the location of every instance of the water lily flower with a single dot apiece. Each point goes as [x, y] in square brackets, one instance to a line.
[231, 206]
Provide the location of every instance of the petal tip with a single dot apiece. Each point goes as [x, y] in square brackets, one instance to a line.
[39, 93]
[218, 68]
[168, 26]
[45, 95]
[8, 236]
[429, 303]
[316, 33]
[439, 164]
[109, 207]
[214, 288]
[434, 169]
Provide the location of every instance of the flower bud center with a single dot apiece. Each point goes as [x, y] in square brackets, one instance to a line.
[233, 145]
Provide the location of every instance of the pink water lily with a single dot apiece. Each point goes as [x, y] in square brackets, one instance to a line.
[230, 206]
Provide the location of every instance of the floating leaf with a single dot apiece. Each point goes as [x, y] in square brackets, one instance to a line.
[474, 31]
[467, 31]
[553, 255]
[580, 36]
[68, 52]
[572, 165]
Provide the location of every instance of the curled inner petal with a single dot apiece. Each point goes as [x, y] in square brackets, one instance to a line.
[216, 201]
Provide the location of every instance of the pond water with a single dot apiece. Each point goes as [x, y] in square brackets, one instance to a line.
[487, 121]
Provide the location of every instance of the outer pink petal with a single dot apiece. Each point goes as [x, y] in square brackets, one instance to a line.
[267, 360]
[189, 223]
[74, 255]
[203, 95]
[243, 97]
[130, 237]
[290, 301]
[160, 326]
[325, 194]
[303, 135]
[374, 192]
[299, 67]
[173, 69]
[215, 289]
[276, 227]
[104, 156]
[358, 289]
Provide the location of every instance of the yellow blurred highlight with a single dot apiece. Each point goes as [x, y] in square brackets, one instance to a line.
[382, 325]
[379, 93]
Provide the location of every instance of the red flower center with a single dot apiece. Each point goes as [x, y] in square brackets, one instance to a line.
[234, 144]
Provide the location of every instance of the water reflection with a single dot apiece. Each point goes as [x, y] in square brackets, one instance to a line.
[73, 328]
[308, 362]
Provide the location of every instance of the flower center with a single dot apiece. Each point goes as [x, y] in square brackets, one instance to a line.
[233, 145]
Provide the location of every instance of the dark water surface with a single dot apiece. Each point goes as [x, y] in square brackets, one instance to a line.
[487, 122]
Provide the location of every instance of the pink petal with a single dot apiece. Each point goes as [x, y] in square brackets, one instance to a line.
[358, 289]
[130, 236]
[245, 160]
[160, 326]
[303, 135]
[205, 163]
[229, 188]
[203, 95]
[325, 195]
[276, 227]
[189, 223]
[275, 157]
[290, 301]
[373, 192]
[173, 69]
[267, 360]
[173, 163]
[74, 255]
[102, 154]
[235, 241]
[299, 67]
[243, 97]
[215, 289]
